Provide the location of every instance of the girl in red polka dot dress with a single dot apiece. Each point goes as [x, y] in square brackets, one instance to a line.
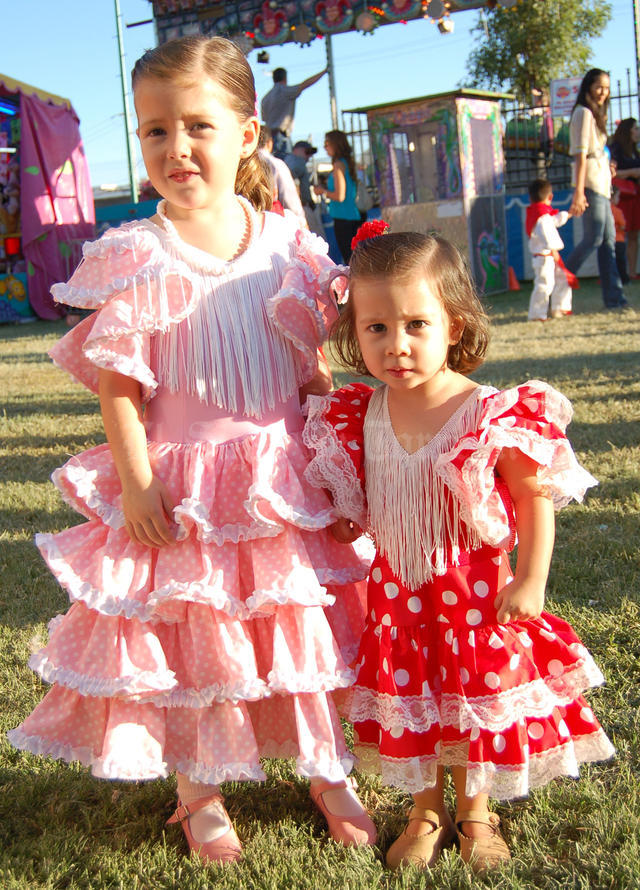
[213, 614]
[459, 665]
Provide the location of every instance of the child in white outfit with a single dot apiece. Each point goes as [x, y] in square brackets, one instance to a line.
[550, 281]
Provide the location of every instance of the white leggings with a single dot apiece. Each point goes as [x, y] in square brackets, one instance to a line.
[549, 281]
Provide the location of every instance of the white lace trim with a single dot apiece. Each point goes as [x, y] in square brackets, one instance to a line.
[495, 713]
[296, 593]
[416, 522]
[413, 774]
[332, 467]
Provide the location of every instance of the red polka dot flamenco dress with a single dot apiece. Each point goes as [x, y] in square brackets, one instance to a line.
[439, 681]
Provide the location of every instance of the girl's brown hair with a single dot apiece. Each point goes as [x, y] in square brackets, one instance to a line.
[402, 255]
[623, 138]
[183, 61]
[340, 144]
[583, 98]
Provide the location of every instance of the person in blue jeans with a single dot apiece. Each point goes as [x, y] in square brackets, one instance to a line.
[591, 176]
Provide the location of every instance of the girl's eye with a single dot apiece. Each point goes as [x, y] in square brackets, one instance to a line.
[417, 323]
[157, 131]
[201, 125]
[376, 328]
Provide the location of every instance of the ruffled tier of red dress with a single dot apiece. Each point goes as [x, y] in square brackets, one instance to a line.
[225, 647]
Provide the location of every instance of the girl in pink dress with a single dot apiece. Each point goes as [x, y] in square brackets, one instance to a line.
[212, 612]
[459, 665]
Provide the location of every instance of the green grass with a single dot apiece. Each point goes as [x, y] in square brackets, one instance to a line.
[61, 828]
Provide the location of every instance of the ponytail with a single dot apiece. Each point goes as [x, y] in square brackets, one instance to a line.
[253, 182]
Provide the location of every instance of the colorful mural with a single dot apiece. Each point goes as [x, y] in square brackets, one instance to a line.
[385, 125]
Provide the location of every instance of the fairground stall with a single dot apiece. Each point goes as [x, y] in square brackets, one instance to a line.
[439, 167]
[46, 204]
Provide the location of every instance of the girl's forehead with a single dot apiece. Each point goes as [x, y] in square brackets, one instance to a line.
[408, 294]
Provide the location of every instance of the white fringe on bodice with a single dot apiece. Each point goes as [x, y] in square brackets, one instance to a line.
[228, 352]
[414, 517]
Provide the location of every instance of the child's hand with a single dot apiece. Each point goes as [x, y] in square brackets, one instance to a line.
[147, 511]
[345, 531]
[519, 601]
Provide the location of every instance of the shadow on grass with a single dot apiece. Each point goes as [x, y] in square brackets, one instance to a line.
[25, 467]
[83, 403]
[38, 328]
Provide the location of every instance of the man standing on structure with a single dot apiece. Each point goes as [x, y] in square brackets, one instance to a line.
[278, 108]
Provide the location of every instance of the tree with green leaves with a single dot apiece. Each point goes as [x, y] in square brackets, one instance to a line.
[525, 47]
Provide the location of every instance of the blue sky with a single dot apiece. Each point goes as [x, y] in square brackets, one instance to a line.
[70, 48]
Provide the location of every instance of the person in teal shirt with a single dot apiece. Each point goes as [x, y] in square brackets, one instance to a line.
[341, 191]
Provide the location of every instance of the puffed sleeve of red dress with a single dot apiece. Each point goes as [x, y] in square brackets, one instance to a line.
[334, 433]
[533, 418]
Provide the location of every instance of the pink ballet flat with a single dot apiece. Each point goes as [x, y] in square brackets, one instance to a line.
[226, 848]
[351, 830]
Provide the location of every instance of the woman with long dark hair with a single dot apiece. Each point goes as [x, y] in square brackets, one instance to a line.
[592, 184]
[341, 191]
[624, 154]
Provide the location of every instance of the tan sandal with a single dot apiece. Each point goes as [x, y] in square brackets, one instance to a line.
[482, 853]
[421, 850]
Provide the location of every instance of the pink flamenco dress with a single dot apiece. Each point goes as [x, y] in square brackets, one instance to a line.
[225, 647]
[439, 681]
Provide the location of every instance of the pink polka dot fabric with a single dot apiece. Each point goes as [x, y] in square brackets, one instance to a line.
[439, 681]
[227, 646]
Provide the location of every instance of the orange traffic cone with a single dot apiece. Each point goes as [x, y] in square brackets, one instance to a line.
[514, 284]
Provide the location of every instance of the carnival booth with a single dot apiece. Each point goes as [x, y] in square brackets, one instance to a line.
[46, 204]
[439, 167]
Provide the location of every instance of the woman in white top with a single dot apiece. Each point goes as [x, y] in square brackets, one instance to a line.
[592, 184]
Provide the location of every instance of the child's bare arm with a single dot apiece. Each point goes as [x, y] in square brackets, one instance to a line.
[321, 383]
[523, 598]
[345, 531]
[146, 502]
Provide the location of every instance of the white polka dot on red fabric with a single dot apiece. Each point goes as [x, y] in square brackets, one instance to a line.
[545, 623]
[494, 641]
[442, 619]
[587, 714]
[385, 665]
[563, 730]
[340, 426]
[548, 635]
[514, 661]
[401, 677]
[464, 675]
[525, 639]
[373, 614]
[474, 733]
[449, 636]
[426, 689]
[474, 616]
[481, 589]
[391, 590]
[496, 560]
[555, 667]
[443, 672]
[396, 732]
[449, 597]
[414, 645]
[355, 401]
[386, 620]
[472, 639]
[377, 631]
[535, 731]
[414, 604]
[499, 743]
[376, 574]
[492, 680]
[353, 445]
[455, 646]
[425, 651]
[577, 649]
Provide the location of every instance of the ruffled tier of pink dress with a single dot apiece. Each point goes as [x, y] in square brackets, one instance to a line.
[225, 647]
[440, 681]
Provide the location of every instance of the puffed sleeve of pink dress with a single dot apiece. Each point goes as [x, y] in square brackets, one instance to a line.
[227, 646]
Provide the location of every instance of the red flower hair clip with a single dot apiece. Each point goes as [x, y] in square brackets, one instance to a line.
[370, 229]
